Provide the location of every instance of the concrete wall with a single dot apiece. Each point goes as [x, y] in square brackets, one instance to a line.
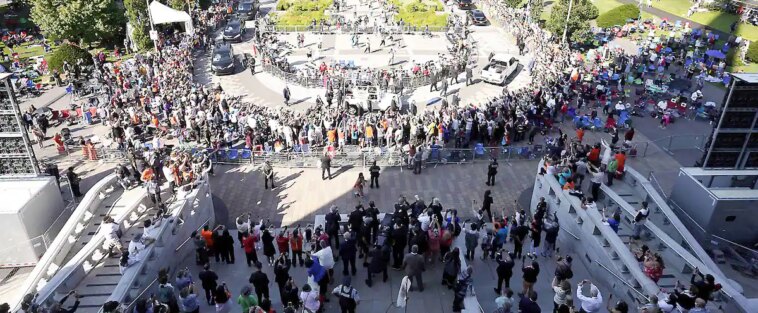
[53, 258]
[24, 243]
[743, 216]
[690, 196]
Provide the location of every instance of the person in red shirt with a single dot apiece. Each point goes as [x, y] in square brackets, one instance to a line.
[620, 160]
[248, 244]
[282, 242]
[594, 155]
[580, 134]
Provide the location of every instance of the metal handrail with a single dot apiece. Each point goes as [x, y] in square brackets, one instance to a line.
[131, 304]
[623, 281]
[735, 244]
[570, 233]
[188, 239]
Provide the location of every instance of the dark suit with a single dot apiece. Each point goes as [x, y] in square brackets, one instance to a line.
[414, 266]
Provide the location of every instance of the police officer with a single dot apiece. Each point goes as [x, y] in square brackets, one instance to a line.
[348, 296]
[491, 172]
[374, 170]
[73, 181]
[268, 175]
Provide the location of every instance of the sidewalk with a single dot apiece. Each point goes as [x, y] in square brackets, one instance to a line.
[47, 98]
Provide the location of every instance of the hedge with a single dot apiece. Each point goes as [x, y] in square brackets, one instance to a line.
[618, 16]
[301, 12]
[752, 53]
[70, 53]
[420, 13]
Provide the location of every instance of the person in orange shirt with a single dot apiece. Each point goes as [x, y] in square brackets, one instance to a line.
[296, 244]
[331, 136]
[580, 134]
[207, 234]
[569, 184]
[147, 174]
[620, 160]
[369, 135]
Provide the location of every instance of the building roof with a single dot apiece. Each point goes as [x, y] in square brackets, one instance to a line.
[17, 192]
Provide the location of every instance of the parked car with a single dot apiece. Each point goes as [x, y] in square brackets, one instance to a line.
[222, 59]
[477, 17]
[501, 67]
[233, 30]
[247, 9]
[464, 4]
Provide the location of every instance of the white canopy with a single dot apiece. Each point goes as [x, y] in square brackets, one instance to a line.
[162, 14]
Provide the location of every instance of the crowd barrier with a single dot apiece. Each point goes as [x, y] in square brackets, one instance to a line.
[349, 29]
[408, 82]
[382, 156]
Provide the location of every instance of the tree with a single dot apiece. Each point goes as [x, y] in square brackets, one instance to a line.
[535, 9]
[68, 53]
[136, 11]
[177, 4]
[513, 3]
[582, 11]
[81, 21]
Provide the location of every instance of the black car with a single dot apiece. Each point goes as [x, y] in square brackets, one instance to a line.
[464, 4]
[476, 17]
[233, 30]
[247, 9]
[222, 59]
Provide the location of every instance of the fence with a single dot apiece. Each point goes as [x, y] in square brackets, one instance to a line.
[408, 82]
[349, 29]
[391, 157]
[672, 143]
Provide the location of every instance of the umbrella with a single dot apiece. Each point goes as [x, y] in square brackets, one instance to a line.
[715, 54]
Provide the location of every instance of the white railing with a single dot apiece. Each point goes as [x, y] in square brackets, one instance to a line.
[92, 253]
[50, 263]
[687, 237]
[593, 219]
[193, 208]
[681, 252]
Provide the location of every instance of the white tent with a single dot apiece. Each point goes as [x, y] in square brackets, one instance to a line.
[162, 14]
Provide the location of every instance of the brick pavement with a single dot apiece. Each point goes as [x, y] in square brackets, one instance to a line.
[300, 193]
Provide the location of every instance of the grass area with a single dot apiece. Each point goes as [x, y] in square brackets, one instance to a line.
[301, 12]
[714, 19]
[421, 13]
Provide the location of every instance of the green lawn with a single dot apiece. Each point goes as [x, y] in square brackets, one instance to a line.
[715, 19]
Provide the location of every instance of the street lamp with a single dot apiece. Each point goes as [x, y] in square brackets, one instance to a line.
[153, 33]
[568, 16]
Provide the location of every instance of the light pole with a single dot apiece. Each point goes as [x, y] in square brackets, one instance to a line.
[568, 16]
[153, 34]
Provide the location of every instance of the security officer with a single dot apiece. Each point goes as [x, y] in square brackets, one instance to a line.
[491, 172]
[348, 296]
[374, 170]
[268, 175]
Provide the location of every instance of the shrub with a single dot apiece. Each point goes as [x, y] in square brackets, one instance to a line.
[70, 53]
[752, 53]
[618, 16]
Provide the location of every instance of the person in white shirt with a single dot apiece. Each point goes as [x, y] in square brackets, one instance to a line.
[110, 230]
[136, 248]
[326, 257]
[591, 304]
